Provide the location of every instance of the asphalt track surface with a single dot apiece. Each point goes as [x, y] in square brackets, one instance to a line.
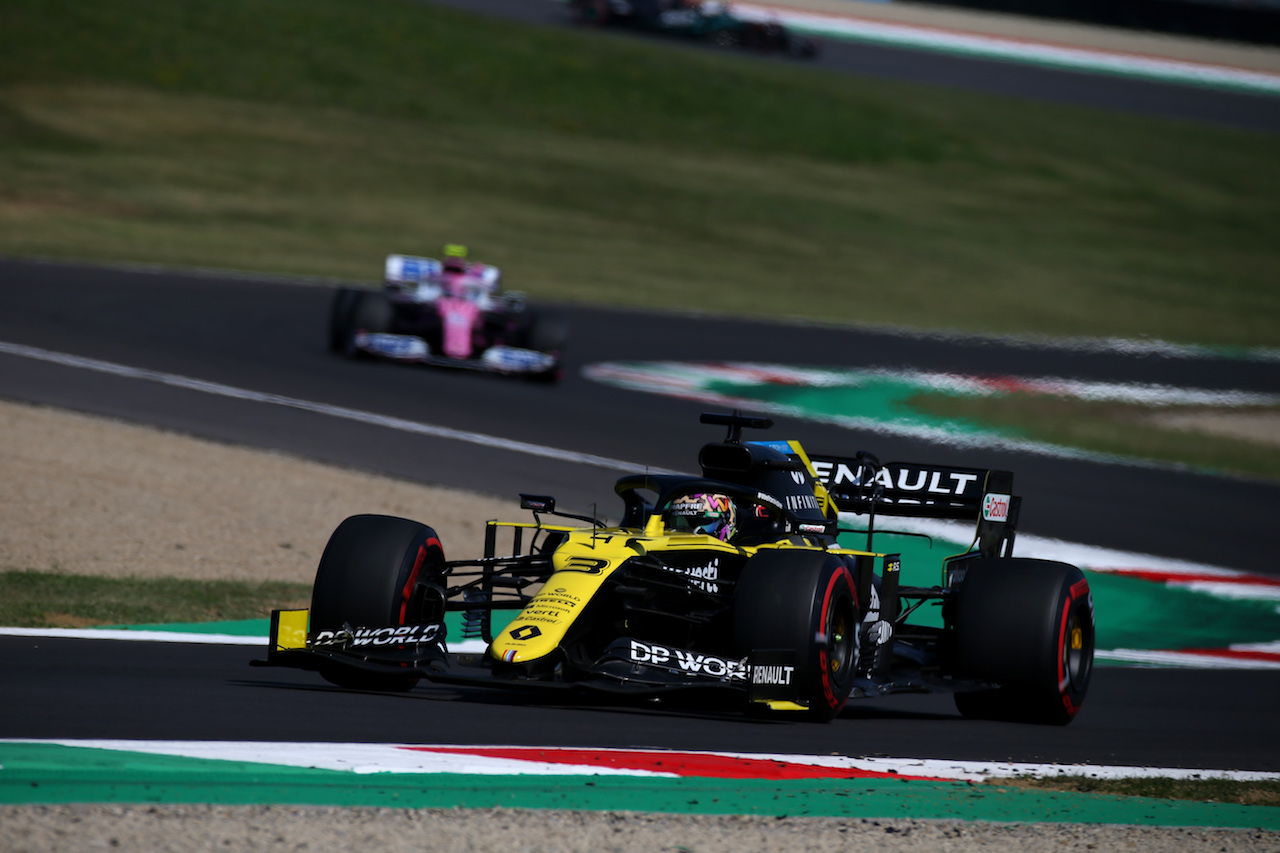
[268, 336]
[1020, 81]
[164, 691]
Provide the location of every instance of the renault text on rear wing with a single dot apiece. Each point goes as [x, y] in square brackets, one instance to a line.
[913, 489]
[859, 485]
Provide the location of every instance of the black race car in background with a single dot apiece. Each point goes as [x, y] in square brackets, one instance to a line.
[712, 22]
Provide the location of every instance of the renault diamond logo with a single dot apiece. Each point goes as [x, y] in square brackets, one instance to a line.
[525, 632]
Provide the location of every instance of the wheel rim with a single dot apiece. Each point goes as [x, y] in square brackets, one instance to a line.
[1077, 646]
[840, 640]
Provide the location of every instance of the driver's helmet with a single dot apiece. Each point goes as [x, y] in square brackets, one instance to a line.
[703, 512]
[455, 258]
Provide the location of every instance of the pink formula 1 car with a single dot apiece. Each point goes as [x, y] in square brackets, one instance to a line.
[452, 313]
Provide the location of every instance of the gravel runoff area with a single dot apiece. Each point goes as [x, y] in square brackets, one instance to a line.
[187, 829]
[89, 495]
[92, 496]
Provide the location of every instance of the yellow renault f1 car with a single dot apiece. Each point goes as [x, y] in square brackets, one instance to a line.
[732, 581]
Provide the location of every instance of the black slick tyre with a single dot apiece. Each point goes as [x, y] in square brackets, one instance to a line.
[804, 601]
[340, 317]
[546, 333]
[366, 578]
[1028, 626]
[369, 311]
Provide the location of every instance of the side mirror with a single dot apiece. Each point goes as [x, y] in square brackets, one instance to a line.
[538, 503]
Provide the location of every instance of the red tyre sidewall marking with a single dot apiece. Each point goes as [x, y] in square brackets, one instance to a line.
[827, 692]
[421, 558]
[1078, 590]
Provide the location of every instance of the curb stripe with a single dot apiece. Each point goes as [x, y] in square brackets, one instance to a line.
[680, 764]
[855, 399]
[1193, 660]
[436, 759]
[1018, 50]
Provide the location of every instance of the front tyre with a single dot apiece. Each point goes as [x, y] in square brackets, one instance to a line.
[804, 601]
[546, 333]
[366, 578]
[1028, 626]
[369, 311]
[340, 317]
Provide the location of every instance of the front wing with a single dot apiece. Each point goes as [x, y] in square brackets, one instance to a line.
[414, 350]
[628, 666]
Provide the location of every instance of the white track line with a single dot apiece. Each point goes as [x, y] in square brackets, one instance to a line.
[370, 418]
[139, 636]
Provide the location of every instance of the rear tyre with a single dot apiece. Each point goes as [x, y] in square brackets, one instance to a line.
[805, 601]
[1028, 626]
[366, 578]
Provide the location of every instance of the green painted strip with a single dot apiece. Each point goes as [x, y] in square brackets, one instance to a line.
[48, 774]
[865, 394]
[1138, 614]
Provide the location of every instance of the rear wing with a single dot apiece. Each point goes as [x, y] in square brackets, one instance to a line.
[406, 269]
[864, 486]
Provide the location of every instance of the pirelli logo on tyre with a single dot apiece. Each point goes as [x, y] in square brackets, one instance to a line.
[995, 507]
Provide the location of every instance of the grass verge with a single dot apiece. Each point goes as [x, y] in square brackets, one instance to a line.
[315, 136]
[31, 599]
